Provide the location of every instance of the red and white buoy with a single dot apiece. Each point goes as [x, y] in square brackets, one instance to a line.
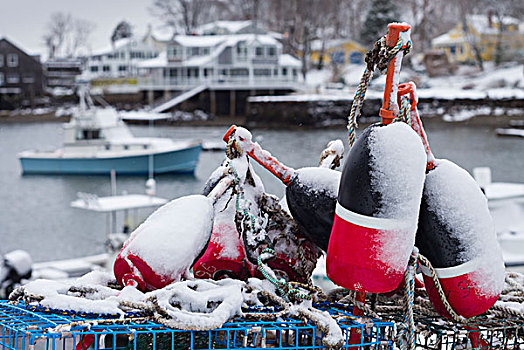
[456, 233]
[379, 197]
[165, 246]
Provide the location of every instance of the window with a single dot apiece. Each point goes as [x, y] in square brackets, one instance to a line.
[242, 50]
[122, 68]
[275, 72]
[106, 68]
[89, 134]
[205, 51]
[452, 49]
[259, 51]
[12, 60]
[284, 71]
[175, 51]
[1, 78]
[194, 51]
[173, 72]
[295, 73]
[262, 72]
[13, 78]
[271, 51]
[1, 60]
[239, 72]
[94, 69]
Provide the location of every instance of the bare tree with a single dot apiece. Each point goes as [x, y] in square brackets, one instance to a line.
[57, 30]
[181, 15]
[79, 36]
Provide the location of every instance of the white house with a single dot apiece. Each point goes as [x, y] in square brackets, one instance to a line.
[240, 61]
[120, 59]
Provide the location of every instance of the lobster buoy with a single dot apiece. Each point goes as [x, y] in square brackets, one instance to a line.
[377, 209]
[164, 247]
[456, 233]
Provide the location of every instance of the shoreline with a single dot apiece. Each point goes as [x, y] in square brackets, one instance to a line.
[480, 120]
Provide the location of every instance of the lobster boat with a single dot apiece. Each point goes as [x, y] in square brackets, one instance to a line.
[97, 141]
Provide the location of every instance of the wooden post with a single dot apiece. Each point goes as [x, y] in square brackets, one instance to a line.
[150, 97]
[213, 102]
[232, 103]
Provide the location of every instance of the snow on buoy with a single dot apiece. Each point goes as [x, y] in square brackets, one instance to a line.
[457, 235]
[456, 232]
[377, 210]
[164, 247]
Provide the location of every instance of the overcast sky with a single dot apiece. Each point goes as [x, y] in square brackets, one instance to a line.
[24, 21]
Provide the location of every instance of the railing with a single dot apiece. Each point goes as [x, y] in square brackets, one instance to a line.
[185, 83]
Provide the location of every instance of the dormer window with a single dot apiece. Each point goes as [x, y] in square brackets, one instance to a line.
[259, 51]
[271, 51]
[242, 49]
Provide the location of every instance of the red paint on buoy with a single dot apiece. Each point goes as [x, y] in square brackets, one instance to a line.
[225, 255]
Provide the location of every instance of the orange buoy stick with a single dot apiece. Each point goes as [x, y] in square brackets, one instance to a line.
[389, 110]
[264, 158]
[410, 90]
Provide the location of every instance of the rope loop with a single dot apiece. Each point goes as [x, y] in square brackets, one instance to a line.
[378, 57]
[456, 317]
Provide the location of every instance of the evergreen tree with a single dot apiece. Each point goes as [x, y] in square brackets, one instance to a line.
[122, 30]
[380, 14]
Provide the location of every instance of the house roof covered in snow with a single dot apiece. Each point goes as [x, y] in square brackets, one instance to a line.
[112, 47]
[289, 61]
[223, 27]
[214, 40]
[481, 23]
[222, 41]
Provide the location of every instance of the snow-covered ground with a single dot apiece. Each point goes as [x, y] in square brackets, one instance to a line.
[505, 81]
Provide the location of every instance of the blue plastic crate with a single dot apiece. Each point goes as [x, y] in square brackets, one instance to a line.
[24, 329]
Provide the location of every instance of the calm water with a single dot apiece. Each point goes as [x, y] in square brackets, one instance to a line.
[35, 214]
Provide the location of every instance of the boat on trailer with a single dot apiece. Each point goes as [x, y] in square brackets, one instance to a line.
[97, 141]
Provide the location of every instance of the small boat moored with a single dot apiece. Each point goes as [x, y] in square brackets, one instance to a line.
[96, 141]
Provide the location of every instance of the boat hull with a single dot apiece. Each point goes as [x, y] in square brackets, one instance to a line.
[182, 161]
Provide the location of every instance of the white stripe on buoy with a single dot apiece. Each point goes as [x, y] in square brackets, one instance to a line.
[454, 271]
[368, 221]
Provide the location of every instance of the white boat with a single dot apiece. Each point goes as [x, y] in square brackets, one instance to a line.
[506, 205]
[96, 141]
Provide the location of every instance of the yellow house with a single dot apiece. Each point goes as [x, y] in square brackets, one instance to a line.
[337, 51]
[482, 31]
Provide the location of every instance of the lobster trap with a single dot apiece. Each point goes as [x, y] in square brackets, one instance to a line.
[21, 328]
[433, 333]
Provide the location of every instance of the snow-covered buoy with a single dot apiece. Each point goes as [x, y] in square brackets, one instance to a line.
[456, 233]
[164, 247]
[379, 195]
[376, 214]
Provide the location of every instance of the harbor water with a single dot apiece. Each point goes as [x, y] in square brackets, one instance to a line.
[35, 212]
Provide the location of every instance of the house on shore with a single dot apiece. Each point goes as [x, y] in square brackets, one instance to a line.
[21, 76]
[223, 70]
[62, 72]
[484, 31]
[115, 67]
[336, 52]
